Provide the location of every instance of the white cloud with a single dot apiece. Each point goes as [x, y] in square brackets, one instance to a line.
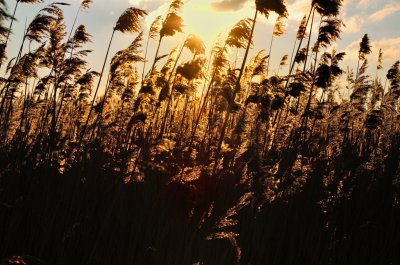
[353, 24]
[389, 46]
[148, 5]
[346, 2]
[386, 11]
[298, 9]
[228, 5]
[364, 3]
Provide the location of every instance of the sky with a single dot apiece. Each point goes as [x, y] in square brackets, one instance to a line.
[380, 19]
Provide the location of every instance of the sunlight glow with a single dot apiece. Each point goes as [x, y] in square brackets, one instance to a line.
[201, 19]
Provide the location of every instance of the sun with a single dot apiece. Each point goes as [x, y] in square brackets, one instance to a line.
[202, 20]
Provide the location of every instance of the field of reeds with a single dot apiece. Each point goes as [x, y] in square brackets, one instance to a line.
[202, 160]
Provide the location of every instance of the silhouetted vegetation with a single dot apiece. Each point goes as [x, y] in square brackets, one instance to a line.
[202, 161]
